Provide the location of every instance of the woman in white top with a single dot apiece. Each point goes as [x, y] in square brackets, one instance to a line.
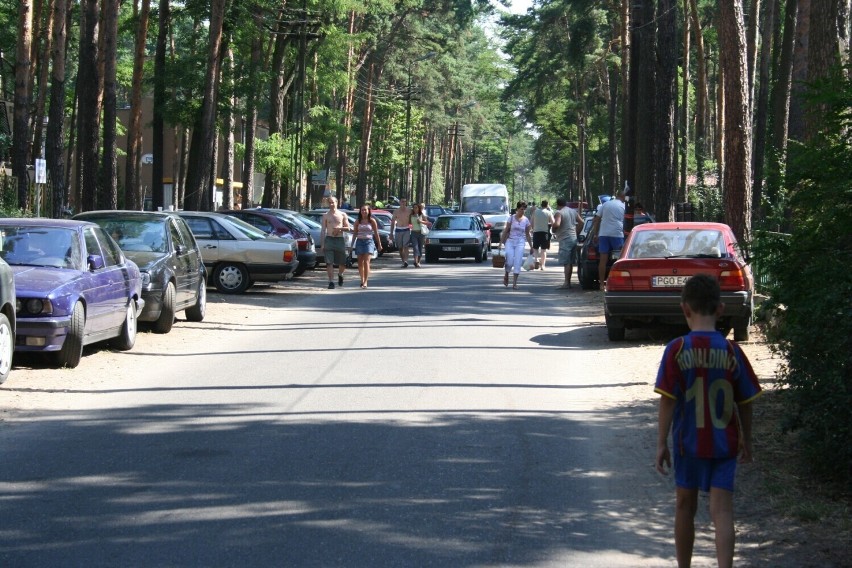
[517, 230]
[366, 242]
[418, 220]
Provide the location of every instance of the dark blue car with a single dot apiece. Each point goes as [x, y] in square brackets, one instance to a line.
[74, 287]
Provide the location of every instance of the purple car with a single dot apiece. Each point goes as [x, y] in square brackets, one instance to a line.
[74, 287]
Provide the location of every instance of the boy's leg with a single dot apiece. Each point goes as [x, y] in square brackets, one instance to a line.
[722, 514]
[685, 508]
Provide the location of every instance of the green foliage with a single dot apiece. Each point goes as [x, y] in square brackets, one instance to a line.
[815, 286]
[274, 156]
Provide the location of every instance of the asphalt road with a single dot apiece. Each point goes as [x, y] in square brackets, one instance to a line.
[435, 419]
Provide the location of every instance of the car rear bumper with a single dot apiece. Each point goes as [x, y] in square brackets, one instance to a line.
[307, 260]
[270, 272]
[666, 305]
[465, 251]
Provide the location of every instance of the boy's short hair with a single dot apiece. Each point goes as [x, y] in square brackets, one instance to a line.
[560, 202]
[701, 293]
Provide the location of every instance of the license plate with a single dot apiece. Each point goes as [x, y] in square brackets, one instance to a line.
[668, 281]
[452, 249]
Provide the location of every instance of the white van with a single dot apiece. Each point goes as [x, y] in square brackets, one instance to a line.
[489, 199]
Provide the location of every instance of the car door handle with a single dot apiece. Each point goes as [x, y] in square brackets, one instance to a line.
[210, 246]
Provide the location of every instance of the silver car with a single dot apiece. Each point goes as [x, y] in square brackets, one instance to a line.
[237, 254]
[458, 235]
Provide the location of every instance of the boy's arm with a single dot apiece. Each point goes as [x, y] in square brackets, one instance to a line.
[745, 411]
[664, 424]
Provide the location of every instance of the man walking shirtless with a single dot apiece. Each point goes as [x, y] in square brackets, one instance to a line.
[401, 230]
[334, 223]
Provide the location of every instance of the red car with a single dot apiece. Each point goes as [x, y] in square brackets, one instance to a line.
[645, 283]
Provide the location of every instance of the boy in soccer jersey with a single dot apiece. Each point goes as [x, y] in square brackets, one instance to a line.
[706, 385]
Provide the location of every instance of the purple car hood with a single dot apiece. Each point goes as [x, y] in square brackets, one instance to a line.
[41, 281]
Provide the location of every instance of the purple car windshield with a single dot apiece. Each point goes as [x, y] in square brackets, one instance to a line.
[40, 246]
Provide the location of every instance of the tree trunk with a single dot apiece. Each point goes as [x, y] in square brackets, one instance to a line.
[761, 108]
[108, 195]
[823, 53]
[751, 46]
[366, 130]
[796, 121]
[701, 94]
[627, 120]
[180, 192]
[56, 118]
[277, 97]
[737, 132]
[684, 135]
[88, 114]
[250, 122]
[201, 171]
[228, 122]
[158, 122]
[664, 188]
[646, 124]
[780, 102]
[43, 73]
[132, 186]
[20, 130]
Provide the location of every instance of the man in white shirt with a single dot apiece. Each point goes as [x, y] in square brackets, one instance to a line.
[610, 237]
[541, 219]
[566, 224]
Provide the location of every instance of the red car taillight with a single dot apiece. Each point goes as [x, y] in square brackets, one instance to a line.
[289, 256]
[732, 279]
[592, 253]
[619, 280]
[303, 244]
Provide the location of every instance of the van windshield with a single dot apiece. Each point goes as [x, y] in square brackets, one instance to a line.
[487, 205]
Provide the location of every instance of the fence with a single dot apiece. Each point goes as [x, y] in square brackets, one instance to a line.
[765, 249]
[39, 202]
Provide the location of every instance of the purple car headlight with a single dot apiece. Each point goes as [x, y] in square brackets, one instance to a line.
[34, 306]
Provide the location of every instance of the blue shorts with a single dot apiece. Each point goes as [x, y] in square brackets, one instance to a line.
[704, 473]
[364, 246]
[607, 244]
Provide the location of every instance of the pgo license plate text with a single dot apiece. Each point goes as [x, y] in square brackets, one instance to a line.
[452, 249]
[668, 281]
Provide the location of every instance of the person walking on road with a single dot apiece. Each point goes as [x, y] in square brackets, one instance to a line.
[401, 230]
[419, 220]
[518, 231]
[542, 219]
[610, 237]
[366, 242]
[706, 385]
[334, 224]
[566, 223]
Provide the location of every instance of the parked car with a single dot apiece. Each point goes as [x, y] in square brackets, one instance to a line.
[271, 222]
[236, 254]
[435, 211]
[309, 226]
[645, 283]
[169, 259]
[7, 319]
[587, 255]
[458, 235]
[73, 286]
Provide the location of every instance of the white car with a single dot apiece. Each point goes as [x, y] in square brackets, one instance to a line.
[237, 254]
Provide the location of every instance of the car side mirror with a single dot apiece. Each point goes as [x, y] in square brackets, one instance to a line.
[489, 226]
[95, 261]
[180, 250]
[581, 238]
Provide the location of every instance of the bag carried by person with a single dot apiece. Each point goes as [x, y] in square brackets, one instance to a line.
[529, 262]
[498, 258]
[424, 230]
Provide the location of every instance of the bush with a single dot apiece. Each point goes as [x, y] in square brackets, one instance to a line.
[814, 283]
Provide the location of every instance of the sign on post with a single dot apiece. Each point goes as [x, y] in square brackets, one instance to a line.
[40, 170]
